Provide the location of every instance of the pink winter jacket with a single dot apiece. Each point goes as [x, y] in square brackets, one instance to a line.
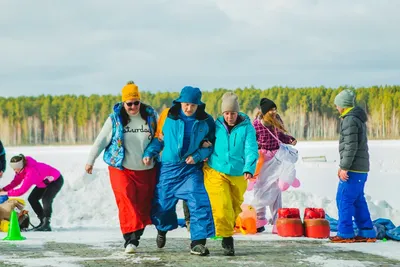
[33, 174]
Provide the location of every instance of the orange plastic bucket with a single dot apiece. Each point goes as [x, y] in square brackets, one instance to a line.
[289, 227]
[316, 228]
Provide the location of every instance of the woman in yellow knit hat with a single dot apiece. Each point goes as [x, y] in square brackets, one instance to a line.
[125, 135]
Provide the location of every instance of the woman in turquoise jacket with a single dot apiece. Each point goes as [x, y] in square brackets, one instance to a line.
[232, 162]
[181, 132]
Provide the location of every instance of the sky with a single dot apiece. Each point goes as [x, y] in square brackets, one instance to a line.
[96, 46]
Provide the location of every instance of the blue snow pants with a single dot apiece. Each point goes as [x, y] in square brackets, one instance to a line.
[351, 203]
[186, 182]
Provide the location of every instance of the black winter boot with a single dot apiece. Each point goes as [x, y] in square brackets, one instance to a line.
[161, 239]
[227, 244]
[198, 247]
[44, 226]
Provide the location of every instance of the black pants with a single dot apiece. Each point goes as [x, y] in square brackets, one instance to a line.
[47, 196]
[133, 238]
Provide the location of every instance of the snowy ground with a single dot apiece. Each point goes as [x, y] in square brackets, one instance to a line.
[85, 211]
[100, 247]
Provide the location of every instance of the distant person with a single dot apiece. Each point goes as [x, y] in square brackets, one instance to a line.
[270, 132]
[231, 164]
[353, 172]
[184, 128]
[124, 137]
[2, 159]
[48, 182]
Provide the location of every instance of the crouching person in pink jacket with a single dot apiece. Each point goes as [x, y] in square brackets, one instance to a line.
[48, 182]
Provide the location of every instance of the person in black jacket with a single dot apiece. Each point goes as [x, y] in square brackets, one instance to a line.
[2, 159]
[353, 172]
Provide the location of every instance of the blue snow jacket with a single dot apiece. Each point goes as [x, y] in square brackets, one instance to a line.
[172, 127]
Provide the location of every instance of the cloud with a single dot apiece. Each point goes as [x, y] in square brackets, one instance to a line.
[96, 46]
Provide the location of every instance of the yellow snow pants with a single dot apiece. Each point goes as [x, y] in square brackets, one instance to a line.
[226, 196]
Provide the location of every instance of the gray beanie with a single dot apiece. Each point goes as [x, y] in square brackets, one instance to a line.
[230, 102]
[345, 99]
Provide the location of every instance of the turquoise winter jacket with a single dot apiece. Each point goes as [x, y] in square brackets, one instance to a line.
[236, 152]
[173, 132]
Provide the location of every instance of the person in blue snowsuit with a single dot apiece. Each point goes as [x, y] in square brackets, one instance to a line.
[353, 172]
[182, 131]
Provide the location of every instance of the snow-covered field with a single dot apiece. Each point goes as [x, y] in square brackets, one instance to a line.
[86, 203]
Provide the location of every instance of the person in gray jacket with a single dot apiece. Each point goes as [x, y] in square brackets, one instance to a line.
[352, 173]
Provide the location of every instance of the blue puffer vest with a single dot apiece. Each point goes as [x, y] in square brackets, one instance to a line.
[115, 152]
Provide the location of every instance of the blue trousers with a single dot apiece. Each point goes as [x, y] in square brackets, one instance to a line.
[351, 203]
[185, 182]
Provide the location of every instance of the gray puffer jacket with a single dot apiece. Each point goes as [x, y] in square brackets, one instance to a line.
[353, 142]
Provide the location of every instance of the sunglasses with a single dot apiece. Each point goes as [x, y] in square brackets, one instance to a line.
[130, 104]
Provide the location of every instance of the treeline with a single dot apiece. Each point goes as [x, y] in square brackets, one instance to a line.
[308, 113]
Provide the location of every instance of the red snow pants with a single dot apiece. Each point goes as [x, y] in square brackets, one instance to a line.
[133, 192]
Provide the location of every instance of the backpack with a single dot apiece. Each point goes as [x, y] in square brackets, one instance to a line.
[23, 220]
